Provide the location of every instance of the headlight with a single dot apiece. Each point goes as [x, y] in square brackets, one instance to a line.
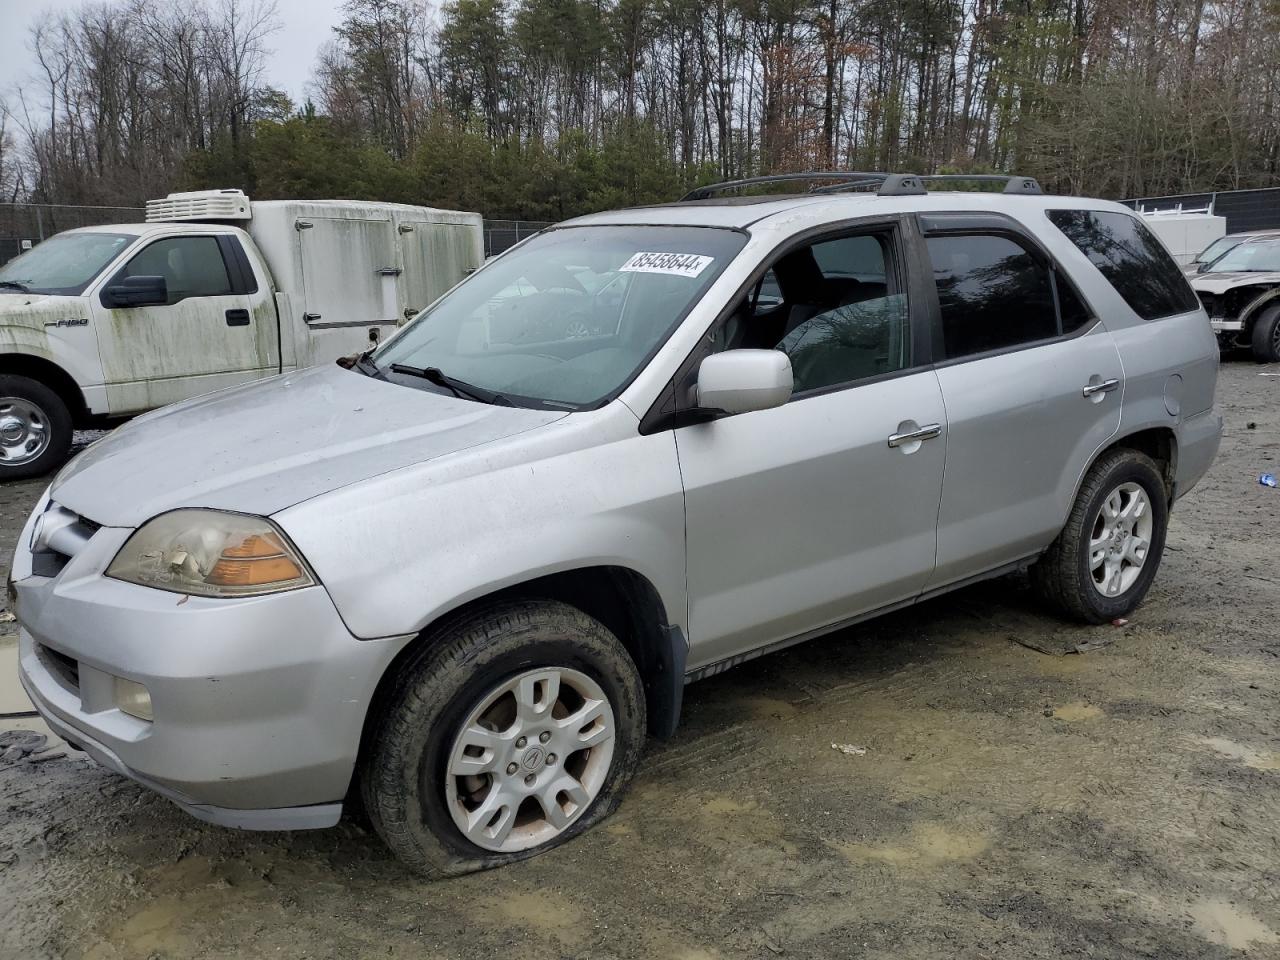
[208, 553]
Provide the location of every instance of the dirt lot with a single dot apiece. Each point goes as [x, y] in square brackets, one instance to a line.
[1010, 803]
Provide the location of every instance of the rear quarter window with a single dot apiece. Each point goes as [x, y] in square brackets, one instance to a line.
[1134, 262]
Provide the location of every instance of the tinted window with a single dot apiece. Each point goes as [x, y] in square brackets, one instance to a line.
[848, 322]
[1134, 262]
[1072, 309]
[191, 267]
[993, 294]
[858, 257]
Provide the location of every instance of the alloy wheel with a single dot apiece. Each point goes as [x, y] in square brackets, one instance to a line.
[1121, 539]
[529, 759]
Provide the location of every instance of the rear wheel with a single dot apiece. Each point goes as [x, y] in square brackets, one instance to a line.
[513, 732]
[35, 428]
[1266, 336]
[1102, 563]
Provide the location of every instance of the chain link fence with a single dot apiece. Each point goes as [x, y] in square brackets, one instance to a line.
[22, 225]
[1244, 210]
[500, 235]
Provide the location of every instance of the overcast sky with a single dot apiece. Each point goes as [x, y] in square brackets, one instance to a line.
[305, 26]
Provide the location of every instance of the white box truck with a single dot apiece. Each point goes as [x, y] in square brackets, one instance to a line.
[1185, 232]
[213, 290]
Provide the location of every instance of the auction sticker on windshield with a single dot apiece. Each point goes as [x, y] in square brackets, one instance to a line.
[679, 264]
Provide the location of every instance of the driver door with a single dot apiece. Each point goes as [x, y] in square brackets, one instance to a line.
[805, 515]
[217, 328]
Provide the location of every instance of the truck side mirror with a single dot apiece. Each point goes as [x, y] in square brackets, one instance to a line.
[137, 292]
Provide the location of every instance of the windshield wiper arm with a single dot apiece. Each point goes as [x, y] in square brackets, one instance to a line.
[460, 388]
[15, 285]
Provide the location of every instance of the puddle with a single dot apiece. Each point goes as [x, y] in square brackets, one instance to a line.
[13, 699]
[1257, 759]
[545, 914]
[1222, 923]
[930, 844]
[1071, 712]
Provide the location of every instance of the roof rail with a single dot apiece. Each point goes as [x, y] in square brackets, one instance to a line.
[910, 184]
[846, 178]
[890, 184]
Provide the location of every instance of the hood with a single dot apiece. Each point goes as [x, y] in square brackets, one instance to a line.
[32, 309]
[1222, 282]
[268, 445]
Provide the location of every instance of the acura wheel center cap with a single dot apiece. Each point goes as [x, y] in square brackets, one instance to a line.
[533, 758]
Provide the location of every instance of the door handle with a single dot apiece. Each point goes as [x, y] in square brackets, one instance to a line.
[1105, 386]
[237, 318]
[927, 432]
[311, 317]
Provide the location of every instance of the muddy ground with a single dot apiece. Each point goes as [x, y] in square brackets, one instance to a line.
[1010, 803]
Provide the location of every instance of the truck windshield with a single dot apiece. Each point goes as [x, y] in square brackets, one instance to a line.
[1260, 256]
[567, 318]
[64, 264]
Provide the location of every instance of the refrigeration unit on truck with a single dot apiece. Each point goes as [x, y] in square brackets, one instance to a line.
[211, 291]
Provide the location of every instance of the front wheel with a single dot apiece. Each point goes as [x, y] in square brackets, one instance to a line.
[1266, 337]
[513, 731]
[1102, 563]
[35, 428]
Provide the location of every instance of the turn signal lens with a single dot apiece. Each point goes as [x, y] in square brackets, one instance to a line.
[254, 562]
[209, 553]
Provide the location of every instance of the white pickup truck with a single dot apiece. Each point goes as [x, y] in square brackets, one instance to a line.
[213, 290]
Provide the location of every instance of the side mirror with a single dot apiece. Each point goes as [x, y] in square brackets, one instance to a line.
[137, 292]
[739, 381]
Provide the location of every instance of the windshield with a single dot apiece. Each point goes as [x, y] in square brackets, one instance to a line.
[567, 318]
[64, 264]
[1260, 256]
[1216, 249]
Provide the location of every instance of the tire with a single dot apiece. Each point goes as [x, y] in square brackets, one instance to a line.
[1067, 575]
[35, 428]
[419, 803]
[1266, 336]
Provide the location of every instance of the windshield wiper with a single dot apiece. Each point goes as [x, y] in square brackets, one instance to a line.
[459, 388]
[15, 285]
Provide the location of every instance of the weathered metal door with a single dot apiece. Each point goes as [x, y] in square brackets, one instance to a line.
[435, 257]
[217, 329]
[349, 280]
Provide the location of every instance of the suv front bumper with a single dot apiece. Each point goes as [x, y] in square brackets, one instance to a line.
[258, 704]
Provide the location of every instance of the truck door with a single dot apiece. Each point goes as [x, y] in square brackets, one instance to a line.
[217, 328]
[435, 257]
[349, 276]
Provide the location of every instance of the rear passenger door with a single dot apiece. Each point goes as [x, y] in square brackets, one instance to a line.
[217, 329]
[1032, 383]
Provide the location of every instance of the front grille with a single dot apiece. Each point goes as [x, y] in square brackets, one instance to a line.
[64, 669]
[61, 534]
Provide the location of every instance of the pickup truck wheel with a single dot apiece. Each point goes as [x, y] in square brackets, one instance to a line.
[1266, 336]
[513, 731]
[1102, 563]
[35, 428]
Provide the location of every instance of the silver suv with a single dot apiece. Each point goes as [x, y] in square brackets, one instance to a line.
[464, 575]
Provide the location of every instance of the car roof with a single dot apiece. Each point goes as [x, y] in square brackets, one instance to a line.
[742, 212]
